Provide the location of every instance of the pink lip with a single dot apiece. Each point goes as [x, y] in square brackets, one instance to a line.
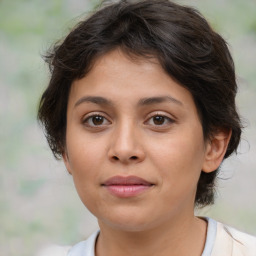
[126, 186]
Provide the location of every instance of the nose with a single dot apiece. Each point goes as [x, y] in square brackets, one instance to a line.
[126, 145]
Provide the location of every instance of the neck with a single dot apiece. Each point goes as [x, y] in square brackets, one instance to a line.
[177, 238]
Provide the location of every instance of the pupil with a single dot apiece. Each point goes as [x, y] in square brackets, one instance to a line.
[158, 120]
[97, 120]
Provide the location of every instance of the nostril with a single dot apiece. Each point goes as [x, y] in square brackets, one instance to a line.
[132, 158]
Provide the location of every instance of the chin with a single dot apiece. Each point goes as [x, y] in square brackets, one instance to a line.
[128, 222]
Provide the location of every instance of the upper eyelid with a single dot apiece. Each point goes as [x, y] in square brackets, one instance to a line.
[95, 113]
[147, 117]
[166, 117]
[86, 121]
[160, 113]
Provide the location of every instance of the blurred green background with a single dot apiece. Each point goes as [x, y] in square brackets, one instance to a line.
[38, 202]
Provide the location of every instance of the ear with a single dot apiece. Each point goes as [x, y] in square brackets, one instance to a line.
[216, 148]
[66, 161]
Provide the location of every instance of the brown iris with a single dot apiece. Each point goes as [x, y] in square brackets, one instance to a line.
[97, 120]
[158, 120]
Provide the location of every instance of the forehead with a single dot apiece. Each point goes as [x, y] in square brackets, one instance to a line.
[125, 78]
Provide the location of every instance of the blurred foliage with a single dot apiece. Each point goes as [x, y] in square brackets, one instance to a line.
[31, 185]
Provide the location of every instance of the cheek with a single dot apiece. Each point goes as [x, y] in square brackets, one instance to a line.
[180, 157]
[85, 159]
[85, 164]
[84, 152]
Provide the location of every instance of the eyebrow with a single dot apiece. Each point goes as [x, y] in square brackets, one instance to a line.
[161, 99]
[93, 99]
[142, 102]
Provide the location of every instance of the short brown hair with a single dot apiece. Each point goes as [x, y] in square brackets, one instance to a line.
[188, 49]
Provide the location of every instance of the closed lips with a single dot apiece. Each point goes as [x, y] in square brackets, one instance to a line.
[126, 181]
[127, 187]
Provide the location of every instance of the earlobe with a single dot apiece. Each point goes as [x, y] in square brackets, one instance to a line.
[215, 150]
[66, 162]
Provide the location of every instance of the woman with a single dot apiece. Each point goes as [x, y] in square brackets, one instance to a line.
[141, 107]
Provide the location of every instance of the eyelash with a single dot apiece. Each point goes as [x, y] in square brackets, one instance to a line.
[88, 120]
[167, 120]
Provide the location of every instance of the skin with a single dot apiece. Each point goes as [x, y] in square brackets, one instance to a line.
[126, 134]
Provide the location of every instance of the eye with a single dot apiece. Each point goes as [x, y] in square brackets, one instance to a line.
[96, 121]
[159, 120]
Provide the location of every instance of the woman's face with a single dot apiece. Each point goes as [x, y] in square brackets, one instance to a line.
[134, 143]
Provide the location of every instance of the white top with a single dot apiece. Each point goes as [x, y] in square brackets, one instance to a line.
[221, 240]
